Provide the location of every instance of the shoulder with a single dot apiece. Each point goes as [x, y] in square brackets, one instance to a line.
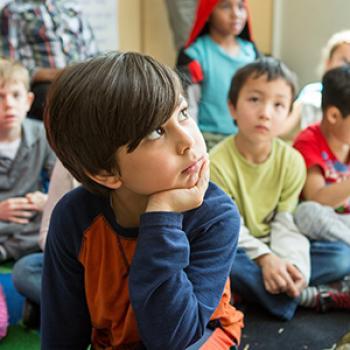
[199, 47]
[33, 130]
[288, 154]
[222, 150]
[77, 209]
[247, 47]
[309, 138]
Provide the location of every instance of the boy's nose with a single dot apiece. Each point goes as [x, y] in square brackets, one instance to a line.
[266, 111]
[185, 142]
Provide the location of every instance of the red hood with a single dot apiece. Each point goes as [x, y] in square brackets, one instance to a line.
[204, 9]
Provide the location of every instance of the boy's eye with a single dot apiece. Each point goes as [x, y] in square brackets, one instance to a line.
[279, 105]
[183, 115]
[253, 99]
[155, 134]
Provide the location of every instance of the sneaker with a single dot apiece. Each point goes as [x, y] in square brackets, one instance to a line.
[331, 299]
[342, 285]
[31, 314]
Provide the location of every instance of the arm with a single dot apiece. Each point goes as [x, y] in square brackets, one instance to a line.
[289, 244]
[316, 190]
[8, 34]
[87, 37]
[193, 97]
[173, 272]
[41, 74]
[60, 183]
[65, 321]
[169, 277]
[252, 246]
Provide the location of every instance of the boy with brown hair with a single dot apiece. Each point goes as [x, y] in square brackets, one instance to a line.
[264, 175]
[139, 257]
[24, 156]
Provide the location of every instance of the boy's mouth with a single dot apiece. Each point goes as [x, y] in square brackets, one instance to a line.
[262, 128]
[194, 167]
[10, 116]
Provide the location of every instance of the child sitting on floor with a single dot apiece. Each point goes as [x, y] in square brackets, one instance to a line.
[139, 257]
[265, 176]
[325, 146]
[24, 156]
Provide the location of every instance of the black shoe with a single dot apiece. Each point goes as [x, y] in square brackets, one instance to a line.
[31, 314]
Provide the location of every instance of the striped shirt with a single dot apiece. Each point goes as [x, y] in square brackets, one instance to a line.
[45, 33]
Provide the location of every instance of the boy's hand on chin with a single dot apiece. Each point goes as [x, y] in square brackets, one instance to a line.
[182, 199]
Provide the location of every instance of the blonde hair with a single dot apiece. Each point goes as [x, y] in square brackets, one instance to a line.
[332, 45]
[13, 72]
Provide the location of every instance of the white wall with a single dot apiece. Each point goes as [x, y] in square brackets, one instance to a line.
[302, 27]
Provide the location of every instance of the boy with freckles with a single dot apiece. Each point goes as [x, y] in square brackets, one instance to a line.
[265, 177]
[139, 257]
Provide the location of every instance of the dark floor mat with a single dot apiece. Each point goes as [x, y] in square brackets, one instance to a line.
[308, 330]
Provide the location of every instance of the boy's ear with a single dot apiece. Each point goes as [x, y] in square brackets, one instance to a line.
[30, 99]
[104, 178]
[333, 115]
[232, 109]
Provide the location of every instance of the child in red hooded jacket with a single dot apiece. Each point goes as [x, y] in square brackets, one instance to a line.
[219, 44]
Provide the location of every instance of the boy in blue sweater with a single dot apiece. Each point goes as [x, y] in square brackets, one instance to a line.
[139, 257]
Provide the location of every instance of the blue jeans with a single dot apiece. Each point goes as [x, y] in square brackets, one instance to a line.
[26, 276]
[330, 261]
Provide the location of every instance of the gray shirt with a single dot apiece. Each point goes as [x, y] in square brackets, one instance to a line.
[24, 174]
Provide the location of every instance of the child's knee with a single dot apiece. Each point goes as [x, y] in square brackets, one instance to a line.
[341, 260]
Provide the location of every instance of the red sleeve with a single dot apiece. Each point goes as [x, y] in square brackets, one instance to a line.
[309, 144]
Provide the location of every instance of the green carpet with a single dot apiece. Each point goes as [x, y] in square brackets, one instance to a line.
[6, 267]
[19, 338]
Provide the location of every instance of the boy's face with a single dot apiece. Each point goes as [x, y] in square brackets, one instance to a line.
[340, 57]
[228, 17]
[15, 102]
[261, 109]
[169, 157]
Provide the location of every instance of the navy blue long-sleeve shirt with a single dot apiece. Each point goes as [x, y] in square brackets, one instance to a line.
[155, 286]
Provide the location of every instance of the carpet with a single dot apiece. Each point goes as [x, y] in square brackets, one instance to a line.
[308, 330]
[20, 338]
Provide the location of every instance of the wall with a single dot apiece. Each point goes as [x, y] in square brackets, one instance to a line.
[302, 28]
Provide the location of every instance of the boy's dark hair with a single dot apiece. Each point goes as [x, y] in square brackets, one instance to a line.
[270, 67]
[336, 90]
[97, 106]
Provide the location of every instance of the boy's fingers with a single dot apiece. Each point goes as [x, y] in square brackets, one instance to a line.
[294, 272]
[25, 206]
[19, 220]
[203, 178]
